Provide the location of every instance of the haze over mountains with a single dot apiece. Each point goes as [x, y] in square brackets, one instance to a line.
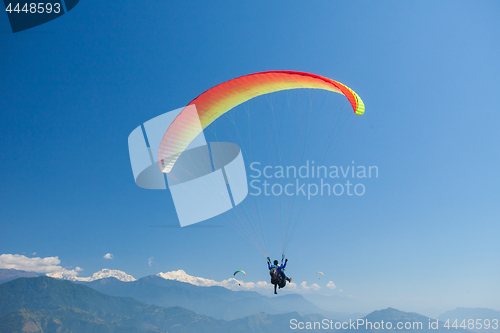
[11, 274]
[214, 301]
[44, 304]
[113, 301]
[484, 319]
[204, 296]
[389, 320]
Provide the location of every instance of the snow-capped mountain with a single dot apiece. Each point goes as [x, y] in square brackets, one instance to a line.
[102, 274]
[231, 283]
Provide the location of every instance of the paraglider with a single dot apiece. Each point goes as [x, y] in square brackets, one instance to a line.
[212, 104]
[277, 272]
[242, 272]
[320, 273]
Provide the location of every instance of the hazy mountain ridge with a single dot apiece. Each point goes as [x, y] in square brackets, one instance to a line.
[12, 274]
[50, 305]
[478, 315]
[338, 306]
[214, 301]
[417, 323]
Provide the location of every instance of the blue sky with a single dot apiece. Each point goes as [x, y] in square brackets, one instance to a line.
[424, 235]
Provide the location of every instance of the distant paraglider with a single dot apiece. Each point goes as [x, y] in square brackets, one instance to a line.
[242, 272]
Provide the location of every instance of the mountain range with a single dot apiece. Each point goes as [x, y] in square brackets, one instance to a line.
[214, 301]
[484, 319]
[102, 274]
[200, 295]
[379, 321]
[44, 304]
[120, 303]
[11, 274]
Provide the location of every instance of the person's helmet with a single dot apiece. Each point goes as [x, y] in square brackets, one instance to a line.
[276, 262]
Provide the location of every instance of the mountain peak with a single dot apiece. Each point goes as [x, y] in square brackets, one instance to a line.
[182, 276]
[102, 274]
[230, 283]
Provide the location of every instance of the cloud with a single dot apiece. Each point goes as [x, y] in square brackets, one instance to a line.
[314, 286]
[50, 267]
[64, 274]
[23, 263]
[150, 261]
[47, 265]
[331, 285]
[231, 283]
[33, 254]
[108, 256]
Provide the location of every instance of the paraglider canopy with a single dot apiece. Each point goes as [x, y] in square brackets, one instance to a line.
[216, 101]
[243, 272]
[287, 119]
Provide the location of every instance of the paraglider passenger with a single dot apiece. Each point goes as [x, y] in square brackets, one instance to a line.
[277, 272]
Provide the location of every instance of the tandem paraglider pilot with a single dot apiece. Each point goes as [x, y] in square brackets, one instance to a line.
[277, 272]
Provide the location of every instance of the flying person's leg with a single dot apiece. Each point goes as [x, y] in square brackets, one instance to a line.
[285, 277]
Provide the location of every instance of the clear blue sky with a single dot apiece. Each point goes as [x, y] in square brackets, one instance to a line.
[426, 233]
